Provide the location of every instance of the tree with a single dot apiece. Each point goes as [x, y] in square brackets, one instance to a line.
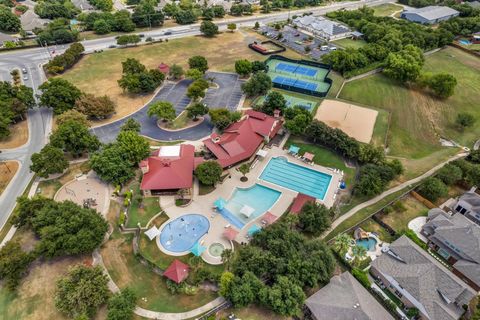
[163, 110]
[121, 305]
[111, 166]
[465, 120]
[258, 66]
[371, 154]
[196, 110]
[433, 188]
[59, 94]
[176, 72]
[273, 101]
[101, 27]
[226, 257]
[198, 62]
[314, 218]
[72, 115]
[298, 124]
[9, 22]
[194, 74]
[442, 84]
[259, 84]
[342, 243]
[232, 27]
[243, 67]
[128, 39]
[358, 254]
[81, 291]
[209, 172]
[145, 15]
[27, 209]
[131, 125]
[185, 17]
[48, 161]
[135, 147]
[285, 297]
[104, 5]
[95, 107]
[197, 89]
[222, 118]
[256, 26]
[450, 174]
[244, 169]
[404, 65]
[474, 156]
[14, 264]
[136, 78]
[75, 138]
[373, 179]
[226, 280]
[208, 28]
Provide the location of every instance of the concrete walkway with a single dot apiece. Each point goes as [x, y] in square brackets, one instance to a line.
[401, 186]
[183, 315]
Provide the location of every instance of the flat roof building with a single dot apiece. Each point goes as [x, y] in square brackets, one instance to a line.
[429, 15]
[322, 27]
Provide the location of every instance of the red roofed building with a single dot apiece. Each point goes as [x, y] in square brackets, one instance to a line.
[164, 68]
[177, 271]
[300, 201]
[169, 169]
[242, 139]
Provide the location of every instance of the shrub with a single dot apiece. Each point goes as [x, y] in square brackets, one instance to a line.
[362, 277]
[433, 188]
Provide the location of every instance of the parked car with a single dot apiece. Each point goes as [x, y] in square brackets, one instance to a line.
[24, 70]
[324, 48]
[112, 46]
[333, 48]
[25, 77]
[167, 33]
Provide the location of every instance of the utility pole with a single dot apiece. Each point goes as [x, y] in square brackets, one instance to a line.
[5, 164]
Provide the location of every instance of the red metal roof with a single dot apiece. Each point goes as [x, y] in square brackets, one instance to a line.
[241, 139]
[300, 201]
[170, 172]
[177, 271]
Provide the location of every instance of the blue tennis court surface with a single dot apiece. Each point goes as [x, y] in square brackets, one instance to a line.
[296, 69]
[295, 83]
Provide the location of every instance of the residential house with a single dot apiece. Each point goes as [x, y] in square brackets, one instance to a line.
[429, 15]
[322, 27]
[457, 239]
[242, 139]
[422, 282]
[469, 205]
[345, 298]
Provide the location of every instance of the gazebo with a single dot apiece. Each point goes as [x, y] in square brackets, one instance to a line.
[293, 149]
[307, 156]
[230, 233]
[177, 271]
[269, 218]
[164, 68]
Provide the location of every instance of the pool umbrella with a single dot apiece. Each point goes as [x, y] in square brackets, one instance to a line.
[269, 217]
[293, 149]
[220, 203]
[253, 229]
[197, 249]
[308, 156]
[230, 233]
[247, 211]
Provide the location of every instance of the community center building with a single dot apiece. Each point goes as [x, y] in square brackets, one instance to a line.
[429, 15]
[322, 27]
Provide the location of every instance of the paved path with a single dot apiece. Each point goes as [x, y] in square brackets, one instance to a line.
[183, 315]
[401, 186]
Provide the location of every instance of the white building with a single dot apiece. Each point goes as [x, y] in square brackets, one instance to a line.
[322, 27]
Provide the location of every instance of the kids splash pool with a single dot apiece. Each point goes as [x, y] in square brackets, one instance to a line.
[297, 178]
[181, 234]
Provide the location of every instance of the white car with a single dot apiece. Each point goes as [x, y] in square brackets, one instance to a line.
[333, 48]
[25, 77]
[24, 70]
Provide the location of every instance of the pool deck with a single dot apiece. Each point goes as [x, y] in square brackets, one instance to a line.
[204, 204]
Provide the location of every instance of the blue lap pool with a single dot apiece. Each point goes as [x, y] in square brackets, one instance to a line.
[181, 234]
[297, 178]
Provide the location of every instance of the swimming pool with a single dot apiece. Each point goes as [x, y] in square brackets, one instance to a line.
[258, 197]
[181, 234]
[368, 244]
[297, 178]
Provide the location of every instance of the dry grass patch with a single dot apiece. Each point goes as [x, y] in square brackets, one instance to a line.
[98, 73]
[7, 172]
[18, 136]
[49, 188]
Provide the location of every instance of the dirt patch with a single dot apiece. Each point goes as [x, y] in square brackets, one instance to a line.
[7, 172]
[357, 122]
[18, 136]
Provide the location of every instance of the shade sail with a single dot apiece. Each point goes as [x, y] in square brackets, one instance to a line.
[197, 249]
[152, 232]
[293, 149]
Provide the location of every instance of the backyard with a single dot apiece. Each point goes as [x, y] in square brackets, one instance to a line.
[403, 211]
[98, 73]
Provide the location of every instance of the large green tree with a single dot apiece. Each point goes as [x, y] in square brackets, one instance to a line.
[433, 188]
[145, 14]
[163, 110]
[315, 218]
[442, 84]
[111, 165]
[135, 147]
[75, 138]
[243, 67]
[196, 110]
[9, 22]
[95, 107]
[273, 101]
[208, 28]
[404, 65]
[121, 305]
[14, 264]
[198, 62]
[260, 83]
[48, 161]
[59, 94]
[285, 297]
[209, 172]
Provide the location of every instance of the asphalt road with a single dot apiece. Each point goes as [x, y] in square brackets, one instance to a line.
[40, 119]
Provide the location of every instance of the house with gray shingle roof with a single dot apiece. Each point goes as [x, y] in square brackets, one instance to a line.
[469, 205]
[345, 298]
[421, 282]
[322, 27]
[457, 239]
[429, 15]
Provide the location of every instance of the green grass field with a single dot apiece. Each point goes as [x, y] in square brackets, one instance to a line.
[350, 43]
[402, 214]
[141, 212]
[386, 9]
[418, 118]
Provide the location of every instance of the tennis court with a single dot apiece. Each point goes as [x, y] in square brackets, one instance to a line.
[295, 99]
[296, 69]
[295, 83]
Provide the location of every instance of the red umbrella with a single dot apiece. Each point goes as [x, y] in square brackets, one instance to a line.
[230, 233]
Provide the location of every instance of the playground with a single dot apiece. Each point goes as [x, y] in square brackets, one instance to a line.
[357, 122]
[299, 76]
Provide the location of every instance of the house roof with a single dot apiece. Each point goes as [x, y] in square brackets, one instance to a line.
[345, 298]
[164, 68]
[241, 139]
[177, 271]
[473, 4]
[432, 12]
[300, 201]
[321, 24]
[169, 170]
[432, 288]
[471, 198]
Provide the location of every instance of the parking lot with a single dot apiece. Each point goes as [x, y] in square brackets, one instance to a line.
[228, 93]
[297, 40]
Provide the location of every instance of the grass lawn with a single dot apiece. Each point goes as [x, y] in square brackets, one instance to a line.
[7, 172]
[127, 271]
[251, 312]
[418, 118]
[401, 215]
[386, 9]
[98, 73]
[371, 226]
[350, 43]
[336, 84]
[49, 188]
[141, 212]
[18, 136]
[323, 157]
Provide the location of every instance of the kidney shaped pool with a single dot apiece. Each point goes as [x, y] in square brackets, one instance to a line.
[181, 234]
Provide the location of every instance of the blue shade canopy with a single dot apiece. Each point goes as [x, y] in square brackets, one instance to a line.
[220, 203]
[293, 149]
[253, 229]
[197, 249]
